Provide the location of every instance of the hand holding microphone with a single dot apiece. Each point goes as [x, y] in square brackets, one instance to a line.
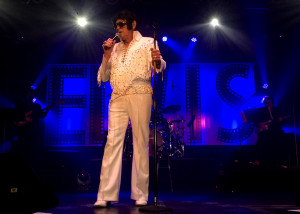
[108, 45]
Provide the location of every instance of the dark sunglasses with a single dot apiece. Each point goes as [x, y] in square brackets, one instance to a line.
[120, 24]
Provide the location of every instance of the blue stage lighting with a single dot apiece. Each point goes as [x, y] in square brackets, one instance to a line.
[34, 100]
[164, 39]
[194, 39]
[265, 86]
[33, 87]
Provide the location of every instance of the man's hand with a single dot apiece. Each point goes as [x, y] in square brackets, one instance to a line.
[156, 56]
[110, 44]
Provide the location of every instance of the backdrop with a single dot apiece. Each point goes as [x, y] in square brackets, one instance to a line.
[200, 103]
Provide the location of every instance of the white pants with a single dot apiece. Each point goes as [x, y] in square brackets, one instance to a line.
[137, 107]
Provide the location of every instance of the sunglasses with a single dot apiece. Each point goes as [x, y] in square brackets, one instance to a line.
[120, 24]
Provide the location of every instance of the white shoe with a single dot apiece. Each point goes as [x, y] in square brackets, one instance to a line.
[100, 203]
[140, 203]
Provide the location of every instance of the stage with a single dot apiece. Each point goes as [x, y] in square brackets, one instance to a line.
[187, 202]
[207, 180]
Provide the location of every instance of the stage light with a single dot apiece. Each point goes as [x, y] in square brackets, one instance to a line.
[194, 39]
[33, 87]
[265, 86]
[264, 98]
[81, 21]
[34, 100]
[84, 180]
[214, 22]
[164, 39]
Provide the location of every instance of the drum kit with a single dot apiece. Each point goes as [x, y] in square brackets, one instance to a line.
[170, 135]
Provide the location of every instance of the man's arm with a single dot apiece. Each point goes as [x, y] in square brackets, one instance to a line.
[104, 70]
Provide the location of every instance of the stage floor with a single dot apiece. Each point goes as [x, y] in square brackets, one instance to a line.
[186, 202]
[201, 185]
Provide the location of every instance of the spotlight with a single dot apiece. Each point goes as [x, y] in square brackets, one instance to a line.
[194, 39]
[164, 39]
[33, 87]
[265, 86]
[81, 21]
[214, 22]
[34, 100]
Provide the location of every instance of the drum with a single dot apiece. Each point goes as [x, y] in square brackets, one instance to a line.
[161, 122]
[160, 142]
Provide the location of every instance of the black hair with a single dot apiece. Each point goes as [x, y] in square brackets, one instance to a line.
[127, 15]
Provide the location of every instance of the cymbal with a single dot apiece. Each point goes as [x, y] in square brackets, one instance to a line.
[171, 109]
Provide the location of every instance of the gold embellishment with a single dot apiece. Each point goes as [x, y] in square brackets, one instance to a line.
[136, 89]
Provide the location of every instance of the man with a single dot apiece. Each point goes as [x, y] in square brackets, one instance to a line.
[26, 118]
[128, 66]
[272, 150]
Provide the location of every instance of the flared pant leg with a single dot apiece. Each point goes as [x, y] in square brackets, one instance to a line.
[110, 176]
[140, 113]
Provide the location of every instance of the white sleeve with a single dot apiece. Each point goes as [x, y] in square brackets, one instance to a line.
[104, 71]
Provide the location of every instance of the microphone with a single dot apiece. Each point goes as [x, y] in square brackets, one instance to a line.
[115, 38]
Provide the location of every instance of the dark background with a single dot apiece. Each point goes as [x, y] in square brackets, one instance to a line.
[35, 33]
